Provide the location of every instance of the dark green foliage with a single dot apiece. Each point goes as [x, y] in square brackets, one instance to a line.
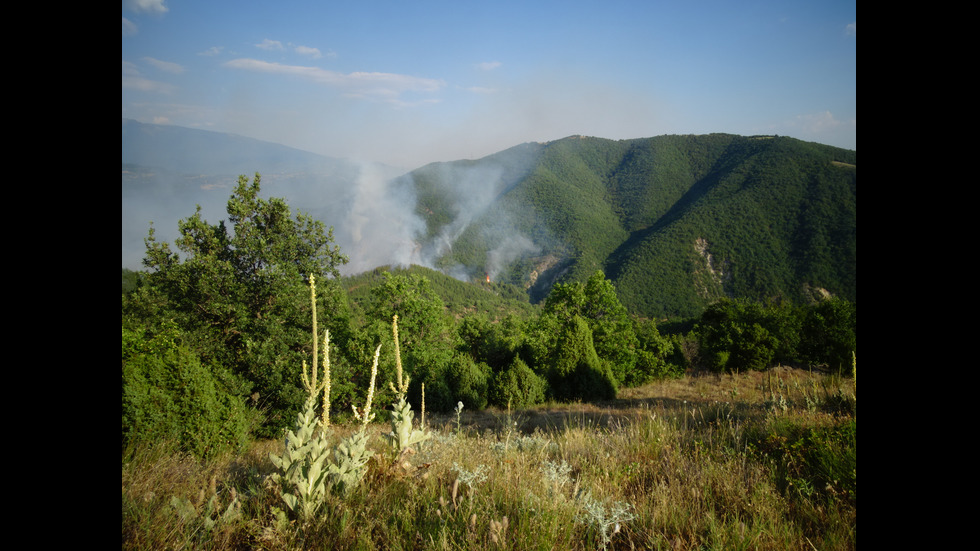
[576, 372]
[239, 295]
[468, 381]
[829, 334]
[130, 280]
[676, 222]
[167, 394]
[812, 462]
[612, 329]
[733, 336]
[517, 386]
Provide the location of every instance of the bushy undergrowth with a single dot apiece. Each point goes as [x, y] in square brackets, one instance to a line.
[688, 464]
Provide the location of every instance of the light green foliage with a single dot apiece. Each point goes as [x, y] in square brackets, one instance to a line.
[169, 394]
[606, 520]
[403, 435]
[576, 372]
[208, 515]
[613, 334]
[351, 458]
[304, 465]
[468, 381]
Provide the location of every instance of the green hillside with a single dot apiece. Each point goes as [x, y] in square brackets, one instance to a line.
[675, 222]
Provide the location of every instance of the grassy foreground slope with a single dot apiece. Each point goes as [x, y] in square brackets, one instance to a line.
[752, 461]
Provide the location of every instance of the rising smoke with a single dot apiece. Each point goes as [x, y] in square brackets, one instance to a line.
[388, 222]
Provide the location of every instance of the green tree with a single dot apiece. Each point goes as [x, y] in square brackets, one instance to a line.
[612, 329]
[732, 335]
[829, 333]
[168, 394]
[427, 340]
[576, 372]
[238, 292]
[517, 386]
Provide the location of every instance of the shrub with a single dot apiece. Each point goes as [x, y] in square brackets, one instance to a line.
[517, 385]
[468, 381]
[168, 394]
[577, 373]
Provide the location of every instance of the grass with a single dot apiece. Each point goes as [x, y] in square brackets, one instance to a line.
[751, 461]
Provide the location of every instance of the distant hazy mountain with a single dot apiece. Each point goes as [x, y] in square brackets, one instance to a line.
[675, 221]
[168, 170]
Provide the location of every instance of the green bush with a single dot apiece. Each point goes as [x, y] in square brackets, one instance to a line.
[168, 394]
[468, 381]
[577, 373]
[517, 385]
[830, 334]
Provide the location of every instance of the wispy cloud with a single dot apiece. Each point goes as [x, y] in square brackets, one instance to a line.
[128, 27]
[271, 45]
[133, 80]
[308, 51]
[146, 85]
[212, 51]
[383, 86]
[851, 29]
[146, 6]
[488, 65]
[165, 66]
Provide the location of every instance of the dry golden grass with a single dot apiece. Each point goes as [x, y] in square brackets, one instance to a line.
[686, 455]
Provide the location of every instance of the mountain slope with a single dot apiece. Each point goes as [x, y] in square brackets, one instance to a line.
[675, 221]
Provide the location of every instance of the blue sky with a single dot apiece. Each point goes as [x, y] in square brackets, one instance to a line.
[415, 81]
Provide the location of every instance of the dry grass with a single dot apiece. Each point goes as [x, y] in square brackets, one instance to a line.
[701, 461]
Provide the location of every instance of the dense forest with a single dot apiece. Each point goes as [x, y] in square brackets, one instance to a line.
[216, 331]
[675, 222]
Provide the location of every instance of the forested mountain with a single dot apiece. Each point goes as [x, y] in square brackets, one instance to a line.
[676, 222]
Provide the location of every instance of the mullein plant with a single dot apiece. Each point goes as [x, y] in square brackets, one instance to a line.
[306, 470]
[403, 435]
[352, 454]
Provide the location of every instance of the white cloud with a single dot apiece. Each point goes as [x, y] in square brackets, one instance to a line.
[383, 86]
[141, 84]
[128, 27]
[165, 66]
[130, 69]
[272, 45]
[306, 50]
[852, 29]
[488, 65]
[213, 50]
[147, 6]
[132, 80]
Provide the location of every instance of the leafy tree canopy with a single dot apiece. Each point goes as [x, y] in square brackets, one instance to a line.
[239, 291]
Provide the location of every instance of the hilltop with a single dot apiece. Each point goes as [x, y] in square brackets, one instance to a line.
[676, 222]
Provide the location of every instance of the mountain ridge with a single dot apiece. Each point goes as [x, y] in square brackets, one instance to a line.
[675, 221]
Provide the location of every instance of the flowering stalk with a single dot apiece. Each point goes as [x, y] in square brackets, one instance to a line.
[366, 417]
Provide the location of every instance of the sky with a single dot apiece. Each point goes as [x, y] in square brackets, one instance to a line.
[411, 82]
